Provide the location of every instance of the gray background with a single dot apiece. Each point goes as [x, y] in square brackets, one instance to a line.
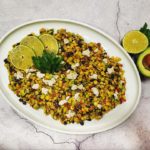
[114, 17]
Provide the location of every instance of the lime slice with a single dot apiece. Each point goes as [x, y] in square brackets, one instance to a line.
[21, 57]
[135, 42]
[34, 43]
[49, 42]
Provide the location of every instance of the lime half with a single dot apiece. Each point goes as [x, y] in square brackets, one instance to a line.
[34, 43]
[135, 42]
[21, 57]
[50, 43]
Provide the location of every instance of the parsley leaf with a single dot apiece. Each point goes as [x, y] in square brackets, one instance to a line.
[146, 31]
[48, 62]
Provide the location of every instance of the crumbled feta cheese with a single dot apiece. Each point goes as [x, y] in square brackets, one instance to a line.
[40, 75]
[18, 75]
[96, 50]
[67, 97]
[44, 90]
[80, 87]
[95, 91]
[62, 102]
[110, 70]
[86, 53]
[105, 60]
[70, 114]
[66, 41]
[68, 71]
[76, 96]
[93, 76]
[116, 95]
[55, 76]
[35, 86]
[99, 106]
[30, 70]
[72, 75]
[49, 82]
[74, 87]
[74, 66]
[28, 75]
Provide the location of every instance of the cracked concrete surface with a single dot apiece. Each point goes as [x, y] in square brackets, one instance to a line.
[117, 19]
[75, 142]
[113, 17]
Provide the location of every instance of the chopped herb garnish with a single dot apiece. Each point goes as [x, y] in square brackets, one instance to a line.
[48, 62]
[146, 31]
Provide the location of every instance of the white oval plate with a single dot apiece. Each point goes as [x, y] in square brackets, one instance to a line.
[110, 120]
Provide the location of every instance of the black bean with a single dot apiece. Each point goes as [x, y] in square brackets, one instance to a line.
[6, 61]
[56, 104]
[100, 113]
[112, 76]
[90, 98]
[92, 80]
[83, 62]
[69, 54]
[31, 34]
[80, 43]
[24, 102]
[65, 123]
[30, 80]
[16, 44]
[62, 49]
[90, 48]
[20, 99]
[68, 66]
[109, 66]
[11, 69]
[103, 109]
[89, 119]
[82, 123]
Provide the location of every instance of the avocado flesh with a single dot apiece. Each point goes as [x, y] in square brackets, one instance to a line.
[142, 63]
[34, 43]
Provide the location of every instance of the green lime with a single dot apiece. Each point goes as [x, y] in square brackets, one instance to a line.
[34, 43]
[135, 42]
[21, 57]
[50, 43]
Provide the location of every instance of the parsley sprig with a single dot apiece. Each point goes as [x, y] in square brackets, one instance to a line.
[146, 31]
[48, 62]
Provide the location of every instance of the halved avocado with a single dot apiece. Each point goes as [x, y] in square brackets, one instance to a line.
[143, 62]
[34, 43]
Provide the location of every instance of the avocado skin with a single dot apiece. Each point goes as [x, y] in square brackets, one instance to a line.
[140, 65]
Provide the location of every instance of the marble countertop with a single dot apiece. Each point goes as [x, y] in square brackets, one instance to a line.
[114, 17]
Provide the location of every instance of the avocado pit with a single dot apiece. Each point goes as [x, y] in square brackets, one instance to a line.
[146, 61]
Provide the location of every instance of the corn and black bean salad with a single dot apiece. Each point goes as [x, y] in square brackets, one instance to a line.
[90, 84]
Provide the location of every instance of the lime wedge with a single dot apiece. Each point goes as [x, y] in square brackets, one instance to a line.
[34, 43]
[135, 42]
[21, 57]
[49, 42]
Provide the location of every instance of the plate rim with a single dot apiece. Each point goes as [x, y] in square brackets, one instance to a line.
[97, 30]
